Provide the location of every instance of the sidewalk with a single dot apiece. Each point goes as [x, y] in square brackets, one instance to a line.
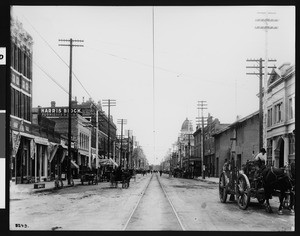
[29, 188]
[25, 189]
[208, 179]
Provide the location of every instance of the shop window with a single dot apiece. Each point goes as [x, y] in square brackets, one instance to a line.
[278, 112]
[269, 150]
[291, 108]
[17, 80]
[17, 103]
[291, 145]
[270, 111]
[12, 102]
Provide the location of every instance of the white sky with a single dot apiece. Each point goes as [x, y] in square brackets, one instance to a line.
[200, 53]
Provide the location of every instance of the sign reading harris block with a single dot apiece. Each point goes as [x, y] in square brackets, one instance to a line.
[59, 111]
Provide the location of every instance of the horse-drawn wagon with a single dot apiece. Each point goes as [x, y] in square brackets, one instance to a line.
[87, 175]
[121, 176]
[244, 184]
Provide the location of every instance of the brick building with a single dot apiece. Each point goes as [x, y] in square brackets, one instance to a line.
[21, 102]
[80, 133]
[209, 159]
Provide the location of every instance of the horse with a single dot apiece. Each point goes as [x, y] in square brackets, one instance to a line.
[290, 171]
[276, 179]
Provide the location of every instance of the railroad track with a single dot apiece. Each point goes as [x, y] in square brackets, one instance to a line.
[147, 202]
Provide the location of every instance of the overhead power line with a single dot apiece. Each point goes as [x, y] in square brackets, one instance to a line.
[57, 55]
[49, 76]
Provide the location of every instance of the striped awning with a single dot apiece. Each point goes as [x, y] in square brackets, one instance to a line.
[74, 165]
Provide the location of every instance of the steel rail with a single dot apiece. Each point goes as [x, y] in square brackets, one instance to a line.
[174, 210]
[143, 193]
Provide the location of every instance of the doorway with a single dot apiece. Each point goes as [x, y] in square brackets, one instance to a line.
[281, 153]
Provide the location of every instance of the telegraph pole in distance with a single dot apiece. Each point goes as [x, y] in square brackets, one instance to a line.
[71, 45]
[260, 74]
[128, 147]
[108, 103]
[122, 122]
[202, 105]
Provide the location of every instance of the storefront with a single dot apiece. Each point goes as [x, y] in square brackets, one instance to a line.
[22, 158]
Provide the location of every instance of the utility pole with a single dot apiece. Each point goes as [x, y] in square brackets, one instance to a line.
[189, 150]
[202, 105]
[71, 45]
[128, 147]
[122, 122]
[266, 27]
[261, 94]
[108, 103]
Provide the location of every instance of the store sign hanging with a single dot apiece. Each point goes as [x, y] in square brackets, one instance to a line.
[59, 111]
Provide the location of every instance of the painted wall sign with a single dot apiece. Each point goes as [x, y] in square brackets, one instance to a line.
[59, 111]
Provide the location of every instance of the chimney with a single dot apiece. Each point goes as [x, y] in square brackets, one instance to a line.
[52, 103]
[82, 99]
[74, 102]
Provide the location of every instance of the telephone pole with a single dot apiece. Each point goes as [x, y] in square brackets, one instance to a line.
[122, 122]
[129, 135]
[202, 105]
[261, 94]
[267, 21]
[108, 103]
[71, 45]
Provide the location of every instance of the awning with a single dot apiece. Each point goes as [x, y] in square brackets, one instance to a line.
[84, 153]
[63, 156]
[53, 152]
[74, 165]
[41, 140]
[114, 163]
[94, 156]
[63, 145]
[108, 162]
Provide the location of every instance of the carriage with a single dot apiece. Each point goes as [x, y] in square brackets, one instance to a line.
[241, 184]
[121, 176]
[87, 175]
[245, 184]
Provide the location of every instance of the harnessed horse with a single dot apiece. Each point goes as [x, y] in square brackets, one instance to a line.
[277, 180]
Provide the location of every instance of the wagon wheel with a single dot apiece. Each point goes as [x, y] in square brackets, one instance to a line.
[243, 192]
[222, 188]
[261, 200]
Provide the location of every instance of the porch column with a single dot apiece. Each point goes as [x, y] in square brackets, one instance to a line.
[286, 149]
[46, 163]
[35, 163]
[274, 144]
[90, 151]
[40, 165]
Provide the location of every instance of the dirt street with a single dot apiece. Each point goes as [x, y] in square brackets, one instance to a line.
[100, 207]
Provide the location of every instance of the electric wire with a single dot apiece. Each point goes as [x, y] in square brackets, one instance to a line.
[57, 55]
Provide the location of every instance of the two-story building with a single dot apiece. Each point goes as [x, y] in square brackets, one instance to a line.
[80, 133]
[280, 120]
[210, 161]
